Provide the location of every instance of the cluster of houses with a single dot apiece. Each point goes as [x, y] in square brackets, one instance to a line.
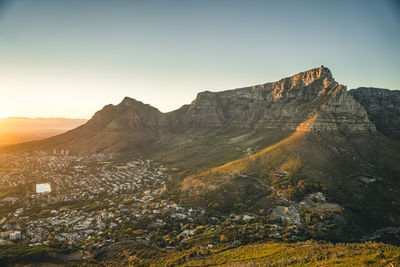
[91, 195]
[10, 235]
[91, 201]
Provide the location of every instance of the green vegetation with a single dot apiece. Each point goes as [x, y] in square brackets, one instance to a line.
[297, 166]
[308, 253]
[23, 254]
[210, 246]
[304, 254]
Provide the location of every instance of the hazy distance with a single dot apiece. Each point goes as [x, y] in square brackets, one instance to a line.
[18, 129]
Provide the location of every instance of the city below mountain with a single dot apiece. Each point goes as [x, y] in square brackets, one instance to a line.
[260, 168]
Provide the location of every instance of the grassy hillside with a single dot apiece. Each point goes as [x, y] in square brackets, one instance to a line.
[308, 253]
[303, 254]
[303, 163]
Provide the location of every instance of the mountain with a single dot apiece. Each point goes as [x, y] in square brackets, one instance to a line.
[309, 107]
[19, 129]
[113, 128]
[383, 108]
[266, 146]
[283, 105]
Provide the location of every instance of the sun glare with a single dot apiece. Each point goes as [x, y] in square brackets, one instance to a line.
[5, 110]
[2, 113]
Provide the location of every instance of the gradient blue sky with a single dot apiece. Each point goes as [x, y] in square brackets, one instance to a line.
[70, 58]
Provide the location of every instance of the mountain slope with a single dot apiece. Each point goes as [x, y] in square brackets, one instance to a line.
[113, 128]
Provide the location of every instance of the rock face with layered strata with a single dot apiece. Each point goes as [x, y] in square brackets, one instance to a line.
[383, 108]
[283, 104]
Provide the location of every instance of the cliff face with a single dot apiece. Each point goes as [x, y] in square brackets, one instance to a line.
[283, 104]
[383, 108]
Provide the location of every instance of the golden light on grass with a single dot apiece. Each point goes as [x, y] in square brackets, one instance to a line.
[287, 161]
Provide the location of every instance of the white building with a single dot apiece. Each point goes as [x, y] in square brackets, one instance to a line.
[10, 199]
[15, 235]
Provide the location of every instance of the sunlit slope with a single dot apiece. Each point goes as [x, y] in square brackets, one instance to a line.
[263, 159]
[303, 254]
[305, 150]
[290, 142]
[309, 253]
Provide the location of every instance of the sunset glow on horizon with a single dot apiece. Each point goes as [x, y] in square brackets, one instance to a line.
[71, 58]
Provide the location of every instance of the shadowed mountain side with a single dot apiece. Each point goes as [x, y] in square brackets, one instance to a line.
[332, 163]
[320, 154]
[383, 108]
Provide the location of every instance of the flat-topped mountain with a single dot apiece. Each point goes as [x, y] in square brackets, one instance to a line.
[286, 105]
[283, 104]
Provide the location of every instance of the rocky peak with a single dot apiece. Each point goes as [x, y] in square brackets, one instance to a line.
[312, 75]
[128, 101]
[128, 114]
[305, 85]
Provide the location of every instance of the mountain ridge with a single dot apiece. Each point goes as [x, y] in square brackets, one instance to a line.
[284, 104]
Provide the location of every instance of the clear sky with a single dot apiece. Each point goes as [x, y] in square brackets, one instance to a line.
[69, 58]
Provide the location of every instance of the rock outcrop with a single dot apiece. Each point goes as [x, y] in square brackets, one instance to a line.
[383, 108]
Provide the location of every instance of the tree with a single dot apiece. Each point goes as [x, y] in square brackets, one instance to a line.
[223, 238]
